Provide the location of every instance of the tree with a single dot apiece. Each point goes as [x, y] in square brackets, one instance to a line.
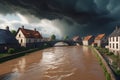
[13, 32]
[66, 37]
[53, 37]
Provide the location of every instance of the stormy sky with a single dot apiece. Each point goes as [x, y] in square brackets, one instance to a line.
[61, 17]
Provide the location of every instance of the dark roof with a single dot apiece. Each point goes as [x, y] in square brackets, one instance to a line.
[116, 32]
[30, 33]
[6, 37]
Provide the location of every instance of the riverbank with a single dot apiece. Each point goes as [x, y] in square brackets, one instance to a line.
[17, 54]
[107, 71]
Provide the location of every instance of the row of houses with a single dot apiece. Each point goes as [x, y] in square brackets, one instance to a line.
[100, 40]
[32, 38]
[24, 37]
[112, 42]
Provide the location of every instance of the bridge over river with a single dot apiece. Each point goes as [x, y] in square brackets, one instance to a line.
[56, 63]
[68, 42]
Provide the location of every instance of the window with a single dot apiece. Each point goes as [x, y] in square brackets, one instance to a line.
[116, 45]
[5, 48]
[19, 35]
[110, 45]
[116, 38]
[113, 38]
[21, 40]
[113, 45]
[110, 39]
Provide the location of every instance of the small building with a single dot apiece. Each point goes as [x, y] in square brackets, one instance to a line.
[114, 41]
[7, 40]
[28, 38]
[88, 40]
[100, 40]
[77, 39]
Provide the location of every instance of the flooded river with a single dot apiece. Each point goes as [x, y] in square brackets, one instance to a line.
[57, 63]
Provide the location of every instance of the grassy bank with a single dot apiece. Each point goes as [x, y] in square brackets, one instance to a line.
[107, 75]
[115, 59]
[18, 53]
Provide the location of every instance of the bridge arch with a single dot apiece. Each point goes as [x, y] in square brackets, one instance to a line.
[52, 43]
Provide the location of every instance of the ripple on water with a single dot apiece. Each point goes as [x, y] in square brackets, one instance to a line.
[57, 63]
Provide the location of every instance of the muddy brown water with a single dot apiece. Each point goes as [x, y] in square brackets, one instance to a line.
[57, 63]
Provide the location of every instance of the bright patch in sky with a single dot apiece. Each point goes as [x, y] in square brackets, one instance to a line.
[10, 17]
[23, 19]
[44, 26]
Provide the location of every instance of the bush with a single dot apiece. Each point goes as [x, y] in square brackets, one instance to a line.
[109, 53]
[108, 76]
[11, 50]
[117, 71]
[105, 50]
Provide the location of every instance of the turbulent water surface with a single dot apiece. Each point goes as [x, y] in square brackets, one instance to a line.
[57, 63]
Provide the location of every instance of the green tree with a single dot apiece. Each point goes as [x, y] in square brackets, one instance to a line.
[13, 32]
[66, 37]
[53, 37]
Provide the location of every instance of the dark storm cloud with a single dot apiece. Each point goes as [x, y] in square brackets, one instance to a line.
[97, 16]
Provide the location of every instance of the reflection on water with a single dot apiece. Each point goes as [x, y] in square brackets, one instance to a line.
[17, 70]
[57, 63]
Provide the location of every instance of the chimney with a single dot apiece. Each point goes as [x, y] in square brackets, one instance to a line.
[34, 29]
[7, 28]
[116, 28]
[22, 27]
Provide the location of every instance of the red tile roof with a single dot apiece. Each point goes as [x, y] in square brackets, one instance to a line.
[87, 37]
[100, 36]
[30, 33]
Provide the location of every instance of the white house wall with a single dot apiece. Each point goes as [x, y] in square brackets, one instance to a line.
[115, 50]
[21, 37]
[85, 42]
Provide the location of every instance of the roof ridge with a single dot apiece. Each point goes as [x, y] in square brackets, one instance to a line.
[31, 33]
[116, 32]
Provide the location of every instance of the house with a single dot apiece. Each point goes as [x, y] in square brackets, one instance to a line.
[77, 39]
[28, 38]
[88, 40]
[7, 40]
[114, 41]
[100, 40]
